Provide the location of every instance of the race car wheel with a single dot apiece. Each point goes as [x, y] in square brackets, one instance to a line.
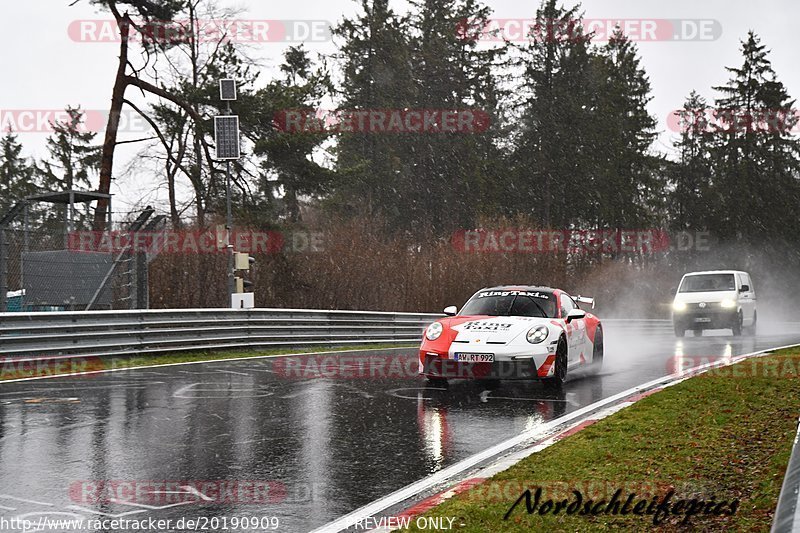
[560, 371]
[736, 328]
[597, 349]
[436, 382]
[698, 333]
[679, 330]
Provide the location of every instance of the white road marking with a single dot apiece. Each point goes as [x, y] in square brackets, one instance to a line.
[9, 497]
[232, 372]
[110, 515]
[224, 392]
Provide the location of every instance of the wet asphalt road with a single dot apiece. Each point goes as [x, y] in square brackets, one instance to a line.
[316, 447]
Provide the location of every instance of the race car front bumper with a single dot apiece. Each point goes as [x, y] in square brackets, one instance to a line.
[434, 365]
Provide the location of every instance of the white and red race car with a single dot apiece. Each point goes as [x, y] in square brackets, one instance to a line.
[513, 332]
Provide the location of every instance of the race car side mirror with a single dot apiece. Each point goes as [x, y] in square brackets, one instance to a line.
[745, 288]
[575, 314]
[451, 311]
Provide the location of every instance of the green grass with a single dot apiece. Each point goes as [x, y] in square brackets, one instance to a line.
[726, 434]
[10, 370]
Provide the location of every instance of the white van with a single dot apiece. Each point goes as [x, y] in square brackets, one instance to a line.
[715, 299]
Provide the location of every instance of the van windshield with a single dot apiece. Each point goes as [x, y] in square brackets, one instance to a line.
[708, 283]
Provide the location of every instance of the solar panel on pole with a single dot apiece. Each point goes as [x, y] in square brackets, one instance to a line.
[226, 135]
[227, 90]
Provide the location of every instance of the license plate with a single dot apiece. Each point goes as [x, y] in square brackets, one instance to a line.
[475, 357]
[702, 319]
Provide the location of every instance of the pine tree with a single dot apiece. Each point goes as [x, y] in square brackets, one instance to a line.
[16, 173]
[72, 156]
[691, 197]
[377, 74]
[553, 158]
[453, 176]
[72, 161]
[630, 181]
[756, 159]
[288, 155]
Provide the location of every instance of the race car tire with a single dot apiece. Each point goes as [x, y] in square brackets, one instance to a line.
[736, 327]
[679, 330]
[560, 370]
[698, 333]
[491, 384]
[436, 382]
[597, 349]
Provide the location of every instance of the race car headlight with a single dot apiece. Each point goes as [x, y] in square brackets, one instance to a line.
[679, 306]
[728, 304]
[537, 335]
[434, 331]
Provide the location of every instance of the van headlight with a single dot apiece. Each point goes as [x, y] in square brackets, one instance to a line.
[728, 304]
[537, 335]
[434, 331]
[679, 306]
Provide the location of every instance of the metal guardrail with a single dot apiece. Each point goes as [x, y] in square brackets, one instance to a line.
[787, 514]
[107, 333]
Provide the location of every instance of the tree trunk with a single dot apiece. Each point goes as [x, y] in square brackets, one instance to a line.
[110, 142]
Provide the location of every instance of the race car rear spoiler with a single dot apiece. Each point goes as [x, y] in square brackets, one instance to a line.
[585, 300]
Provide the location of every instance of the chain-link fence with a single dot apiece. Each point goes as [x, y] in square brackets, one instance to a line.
[45, 265]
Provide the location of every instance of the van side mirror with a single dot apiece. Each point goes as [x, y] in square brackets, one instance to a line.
[451, 310]
[745, 288]
[575, 314]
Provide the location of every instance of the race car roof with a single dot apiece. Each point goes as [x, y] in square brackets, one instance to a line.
[519, 288]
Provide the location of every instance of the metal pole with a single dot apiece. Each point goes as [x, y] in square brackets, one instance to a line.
[3, 271]
[229, 222]
[229, 227]
[26, 224]
[26, 249]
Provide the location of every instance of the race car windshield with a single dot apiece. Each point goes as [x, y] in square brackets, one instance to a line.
[511, 304]
[708, 283]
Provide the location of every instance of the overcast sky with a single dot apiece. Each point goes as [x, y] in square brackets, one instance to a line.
[45, 68]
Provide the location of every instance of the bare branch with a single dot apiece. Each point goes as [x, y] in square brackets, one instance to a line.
[158, 133]
[136, 140]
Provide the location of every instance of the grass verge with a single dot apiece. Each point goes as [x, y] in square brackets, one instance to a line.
[718, 438]
[9, 369]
